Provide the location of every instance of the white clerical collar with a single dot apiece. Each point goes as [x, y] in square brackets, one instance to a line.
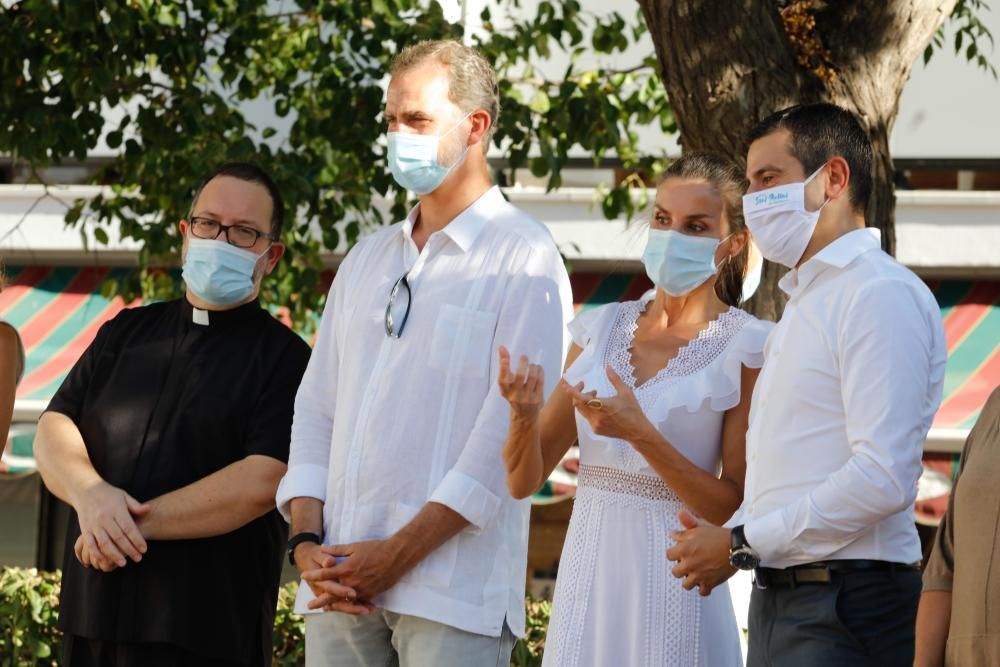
[199, 316]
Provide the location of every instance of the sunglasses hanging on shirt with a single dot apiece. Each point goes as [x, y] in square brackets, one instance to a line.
[400, 293]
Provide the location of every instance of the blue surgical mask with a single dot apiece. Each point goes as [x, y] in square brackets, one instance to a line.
[413, 160]
[218, 273]
[677, 263]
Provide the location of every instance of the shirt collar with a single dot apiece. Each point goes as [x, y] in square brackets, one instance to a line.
[231, 317]
[837, 254]
[466, 226]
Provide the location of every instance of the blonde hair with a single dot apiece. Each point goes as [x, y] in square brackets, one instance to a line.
[472, 81]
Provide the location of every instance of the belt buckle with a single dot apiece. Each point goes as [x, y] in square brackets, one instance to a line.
[812, 575]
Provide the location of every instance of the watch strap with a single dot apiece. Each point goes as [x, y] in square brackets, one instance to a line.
[737, 539]
[298, 539]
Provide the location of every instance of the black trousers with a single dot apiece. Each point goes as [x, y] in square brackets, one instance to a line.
[859, 619]
[84, 652]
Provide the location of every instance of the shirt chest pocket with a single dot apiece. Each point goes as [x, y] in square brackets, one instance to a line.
[462, 341]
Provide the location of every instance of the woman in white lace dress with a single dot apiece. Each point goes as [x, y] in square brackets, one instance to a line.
[657, 391]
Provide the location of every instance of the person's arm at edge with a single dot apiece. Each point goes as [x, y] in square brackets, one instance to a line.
[10, 351]
[934, 611]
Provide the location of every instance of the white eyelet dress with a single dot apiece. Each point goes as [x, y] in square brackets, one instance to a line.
[616, 602]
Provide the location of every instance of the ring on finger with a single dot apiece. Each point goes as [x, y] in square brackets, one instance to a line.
[595, 403]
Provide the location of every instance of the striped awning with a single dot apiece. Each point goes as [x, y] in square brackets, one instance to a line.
[58, 311]
[971, 313]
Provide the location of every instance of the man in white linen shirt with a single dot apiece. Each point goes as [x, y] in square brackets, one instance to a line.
[852, 378]
[395, 465]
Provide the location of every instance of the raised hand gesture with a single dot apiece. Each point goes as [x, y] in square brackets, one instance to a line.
[523, 389]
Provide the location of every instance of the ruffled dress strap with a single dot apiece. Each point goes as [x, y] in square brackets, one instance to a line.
[718, 382]
[590, 330]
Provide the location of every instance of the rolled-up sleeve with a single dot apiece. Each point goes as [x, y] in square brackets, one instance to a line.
[532, 321]
[312, 424]
[892, 365]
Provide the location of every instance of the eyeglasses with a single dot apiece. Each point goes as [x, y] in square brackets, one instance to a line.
[240, 236]
[390, 326]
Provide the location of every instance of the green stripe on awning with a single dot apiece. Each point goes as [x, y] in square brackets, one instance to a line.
[40, 295]
[980, 342]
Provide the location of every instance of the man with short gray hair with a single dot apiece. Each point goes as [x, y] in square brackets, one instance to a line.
[401, 522]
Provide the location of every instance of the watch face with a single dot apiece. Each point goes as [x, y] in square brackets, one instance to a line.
[744, 559]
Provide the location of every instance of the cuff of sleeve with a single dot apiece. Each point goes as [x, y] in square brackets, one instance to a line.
[936, 582]
[472, 500]
[305, 480]
[763, 534]
[735, 520]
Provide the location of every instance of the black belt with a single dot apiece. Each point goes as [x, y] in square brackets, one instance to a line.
[821, 572]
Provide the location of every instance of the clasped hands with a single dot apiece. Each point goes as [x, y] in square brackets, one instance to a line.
[346, 578]
[109, 527]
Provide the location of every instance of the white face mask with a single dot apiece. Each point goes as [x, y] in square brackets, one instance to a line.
[780, 224]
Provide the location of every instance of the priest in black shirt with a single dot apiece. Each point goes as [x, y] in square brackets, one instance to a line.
[168, 439]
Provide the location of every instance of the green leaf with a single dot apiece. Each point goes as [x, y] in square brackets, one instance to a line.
[540, 103]
[41, 649]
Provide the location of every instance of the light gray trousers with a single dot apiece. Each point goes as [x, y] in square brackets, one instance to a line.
[388, 639]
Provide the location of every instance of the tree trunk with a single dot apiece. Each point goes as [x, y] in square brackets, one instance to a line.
[727, 66]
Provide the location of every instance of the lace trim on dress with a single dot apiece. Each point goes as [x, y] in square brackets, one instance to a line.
[620, 481]
[695, 356]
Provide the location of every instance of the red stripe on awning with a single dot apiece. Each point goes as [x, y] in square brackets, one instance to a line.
[21, 286]
[79, 290]
[639, 286]
[971, 396]
[584, 285]
[973, 307]
[67, 356]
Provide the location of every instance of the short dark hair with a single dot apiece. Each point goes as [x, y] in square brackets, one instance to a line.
[820, 132]
[727, 180]
[251, 173]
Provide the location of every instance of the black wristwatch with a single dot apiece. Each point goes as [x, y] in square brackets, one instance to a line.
[298, 539]
[741, 556]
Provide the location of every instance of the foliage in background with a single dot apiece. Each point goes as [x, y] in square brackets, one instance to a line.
[970, 32]
[175, 76]
[528, 651]
[28, 634]
[29, 638]
[289, 630]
